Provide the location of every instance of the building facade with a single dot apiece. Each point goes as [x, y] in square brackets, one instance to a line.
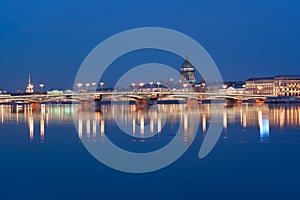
[260, 86]
[187, 73]
[287, 85]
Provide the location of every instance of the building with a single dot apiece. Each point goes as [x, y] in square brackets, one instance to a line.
[152, 87]
[233, 87]
[238, 89]
[29, 88]
[260, 86]
[187, 73]
[55, 92]
[287, 85]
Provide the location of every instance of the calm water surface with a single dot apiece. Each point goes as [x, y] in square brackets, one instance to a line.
[42, 156]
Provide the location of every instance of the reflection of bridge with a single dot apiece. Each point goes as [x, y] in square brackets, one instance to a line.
[117, 95]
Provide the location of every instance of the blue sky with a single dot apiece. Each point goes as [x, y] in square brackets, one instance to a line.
[50, 39]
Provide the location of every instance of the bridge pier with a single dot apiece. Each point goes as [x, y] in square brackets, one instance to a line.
[97, 99]
[233, 101]
[142, 103]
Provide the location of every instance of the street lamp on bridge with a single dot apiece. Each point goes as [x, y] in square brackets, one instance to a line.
[41, 86]
[79, 85]
[101, 85]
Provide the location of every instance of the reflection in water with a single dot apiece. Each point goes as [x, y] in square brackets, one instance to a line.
[263, 121]
[150, 121]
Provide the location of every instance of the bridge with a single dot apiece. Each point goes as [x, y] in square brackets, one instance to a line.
[129, 95]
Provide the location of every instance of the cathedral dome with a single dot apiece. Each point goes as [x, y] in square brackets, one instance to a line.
[187, 66]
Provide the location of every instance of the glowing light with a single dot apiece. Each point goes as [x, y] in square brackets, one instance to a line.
[94, 128]
[88, 128]
[159, 124]
[102, 128]
[133, 126]
[185, 123]
[151, 125]
[225, 120]
[204, 123]
[80, 128]
[142, 125]
[42, 128]
[31, 128]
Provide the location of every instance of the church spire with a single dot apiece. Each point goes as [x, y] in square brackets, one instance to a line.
[29, 88]
[29, 78]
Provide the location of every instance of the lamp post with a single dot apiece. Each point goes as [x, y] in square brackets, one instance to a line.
[41, 86]
[158, 83]
[141, 85]
[87, 86]
[94, 85]
[185, 85]
[101, 85]
[133, 86]
[79, 85]
[224, 88]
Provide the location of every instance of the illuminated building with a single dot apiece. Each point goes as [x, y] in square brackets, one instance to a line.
[29, 88]
[287, 85]
[187, 73]
[260, 86]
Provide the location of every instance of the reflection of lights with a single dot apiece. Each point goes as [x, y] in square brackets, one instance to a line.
[2, 112]
[244, 120]
[142, 125]
[263, 122]
[31, 128]
[279, 116]
[80, 128]
[102, 128]
[204, 123]
[159, 124]
[241, 116]
[225, 120]
[42, 128]
[17, 113]
[88, 128]
[185, 123]
[151, 125]
[133, 126]
[94, 128]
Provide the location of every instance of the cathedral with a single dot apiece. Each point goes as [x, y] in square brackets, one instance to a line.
[187, 73]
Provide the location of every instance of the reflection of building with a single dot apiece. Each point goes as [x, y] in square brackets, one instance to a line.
[187, 73]
[263, 86]
[29, 88]
[287, 85]
[264, 126]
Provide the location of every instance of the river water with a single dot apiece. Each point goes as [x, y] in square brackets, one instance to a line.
[44, 156]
